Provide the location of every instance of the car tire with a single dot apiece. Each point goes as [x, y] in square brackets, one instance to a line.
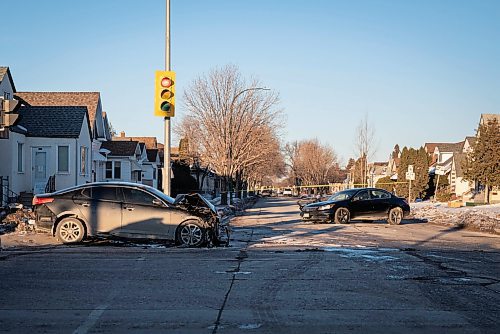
[191, 234]
[395, 216]
[70, 230]
[342, 216]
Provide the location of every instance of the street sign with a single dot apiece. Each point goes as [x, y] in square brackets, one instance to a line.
[410, 176]
[410, 168]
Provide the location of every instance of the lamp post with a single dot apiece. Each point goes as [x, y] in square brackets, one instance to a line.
[230, 151]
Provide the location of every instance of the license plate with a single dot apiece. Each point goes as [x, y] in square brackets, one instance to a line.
[306, 215]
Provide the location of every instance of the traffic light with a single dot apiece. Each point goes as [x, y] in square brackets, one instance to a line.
[7, 109]
[165, 93]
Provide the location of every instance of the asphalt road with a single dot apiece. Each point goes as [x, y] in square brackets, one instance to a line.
[278, 276]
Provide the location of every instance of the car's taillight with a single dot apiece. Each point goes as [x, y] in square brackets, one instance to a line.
[42, 200]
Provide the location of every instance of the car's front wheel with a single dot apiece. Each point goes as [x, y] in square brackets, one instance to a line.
[342, 216]
[395, 216]
[70, 230]
[191, 234]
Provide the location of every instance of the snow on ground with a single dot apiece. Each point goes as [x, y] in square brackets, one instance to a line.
[484, 218]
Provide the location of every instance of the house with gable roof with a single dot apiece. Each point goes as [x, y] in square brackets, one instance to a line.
[150, 161]
[123, 161]
[92, 101]
[57, 144]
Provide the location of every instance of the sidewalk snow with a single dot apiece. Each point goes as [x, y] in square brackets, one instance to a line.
[483, 218]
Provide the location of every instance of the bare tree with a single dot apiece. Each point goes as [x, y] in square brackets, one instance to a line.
[231, 122]
[311, 162]
[364, 147]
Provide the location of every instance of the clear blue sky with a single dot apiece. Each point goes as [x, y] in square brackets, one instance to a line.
[423, 71]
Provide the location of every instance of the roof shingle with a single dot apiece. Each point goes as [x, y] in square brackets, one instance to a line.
[52, 122]
[120, 148]
[87, 99]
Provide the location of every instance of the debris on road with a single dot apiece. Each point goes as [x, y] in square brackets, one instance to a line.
[20, 220]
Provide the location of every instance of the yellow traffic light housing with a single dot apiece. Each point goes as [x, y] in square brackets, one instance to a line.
[165, 93]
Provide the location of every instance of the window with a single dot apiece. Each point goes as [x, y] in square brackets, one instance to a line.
[154, 173]
[6, 96]
[63, 159]
[20, 162]
[138, 197]
[380, 194]
[361, 196]
[104, 194]
[109, 169]
[118, 170]
[113, 170]
[83, 160]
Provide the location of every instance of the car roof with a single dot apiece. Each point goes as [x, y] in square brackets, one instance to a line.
[97, 184]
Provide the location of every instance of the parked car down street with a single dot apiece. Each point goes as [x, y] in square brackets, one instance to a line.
[358, 203]
[128, 210]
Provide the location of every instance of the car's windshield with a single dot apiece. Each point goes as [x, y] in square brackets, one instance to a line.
[343, 195]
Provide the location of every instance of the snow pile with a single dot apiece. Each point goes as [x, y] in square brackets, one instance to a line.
[484, 218]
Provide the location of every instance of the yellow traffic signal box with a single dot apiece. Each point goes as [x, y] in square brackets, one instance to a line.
[165, 93]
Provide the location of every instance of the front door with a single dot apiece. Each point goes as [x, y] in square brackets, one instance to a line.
[39, 170]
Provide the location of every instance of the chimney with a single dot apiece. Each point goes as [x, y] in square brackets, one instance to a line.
[122, 134]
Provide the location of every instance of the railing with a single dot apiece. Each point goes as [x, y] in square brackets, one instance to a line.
[50, 187]
[6, 195]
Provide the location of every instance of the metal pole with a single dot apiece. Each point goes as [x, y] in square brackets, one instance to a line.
[166, 156]
[409, 192]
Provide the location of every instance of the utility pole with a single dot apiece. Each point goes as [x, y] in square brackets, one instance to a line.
[166, 151]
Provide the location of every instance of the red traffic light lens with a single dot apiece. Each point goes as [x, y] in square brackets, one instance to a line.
[166, 82]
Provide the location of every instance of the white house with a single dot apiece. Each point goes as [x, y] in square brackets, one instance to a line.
[123, 162]
[98, 121]
[51, 141]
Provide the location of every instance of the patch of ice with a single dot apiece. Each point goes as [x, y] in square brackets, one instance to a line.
[249, 326]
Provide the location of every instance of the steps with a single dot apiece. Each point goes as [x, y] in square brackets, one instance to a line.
[26, 198]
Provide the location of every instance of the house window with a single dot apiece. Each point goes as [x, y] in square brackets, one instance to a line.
[83, 160]
[118, 170]
[6, 96]
[109, 169]
[63, 159]
[113, 169]
[20, 162]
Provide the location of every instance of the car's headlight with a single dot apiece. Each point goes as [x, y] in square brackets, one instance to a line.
[325, 207]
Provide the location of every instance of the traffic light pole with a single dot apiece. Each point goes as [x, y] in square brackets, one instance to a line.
[166, 150]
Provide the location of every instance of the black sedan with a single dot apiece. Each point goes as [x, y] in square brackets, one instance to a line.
[128, 210]
[358, 203]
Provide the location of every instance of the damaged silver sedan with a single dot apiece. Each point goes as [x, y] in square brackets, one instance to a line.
[129, 210]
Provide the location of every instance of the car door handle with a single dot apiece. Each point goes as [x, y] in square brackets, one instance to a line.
[130, 208]
[85, 204]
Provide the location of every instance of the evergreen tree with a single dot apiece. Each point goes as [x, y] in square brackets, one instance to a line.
[419, 186]
[483, 162]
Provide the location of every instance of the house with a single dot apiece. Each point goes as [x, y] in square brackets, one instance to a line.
[98, 121]
[8, 145]
[123, 161]
[151, 162]
[53, 143]
[150, 168]
[376, 171]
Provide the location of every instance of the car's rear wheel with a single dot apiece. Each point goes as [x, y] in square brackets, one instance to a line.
[395, 216]
[191, 234]
[70, 230]
[342, 216]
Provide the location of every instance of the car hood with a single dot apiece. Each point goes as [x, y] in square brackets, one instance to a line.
[195, 202]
